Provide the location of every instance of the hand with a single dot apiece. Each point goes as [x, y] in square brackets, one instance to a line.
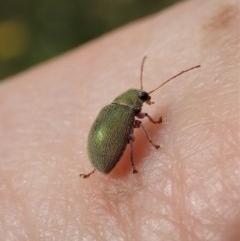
[189, 189]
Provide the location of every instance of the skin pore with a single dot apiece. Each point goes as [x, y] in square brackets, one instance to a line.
[189, 189]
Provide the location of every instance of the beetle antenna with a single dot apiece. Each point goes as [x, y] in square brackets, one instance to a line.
[184, 71]
[141, 74]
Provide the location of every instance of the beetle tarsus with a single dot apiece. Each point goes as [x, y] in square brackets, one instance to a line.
[159, 121]
[87, 175]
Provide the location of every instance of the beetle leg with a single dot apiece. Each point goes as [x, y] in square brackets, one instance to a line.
[142, 115]
[148, 137]
[131, 140]
[87, 175]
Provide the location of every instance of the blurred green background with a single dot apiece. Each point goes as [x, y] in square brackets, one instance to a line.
[34, 30]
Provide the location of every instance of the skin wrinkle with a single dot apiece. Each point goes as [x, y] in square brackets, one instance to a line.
[179, 195]
[165, 202]
[199, 125]
[50, 213]
[67, 213]
[20, 216]
[175, 177]
[10, 193]
[134, 221]
[193, 137]
[223, 169]
[117, 213]
[102, 211]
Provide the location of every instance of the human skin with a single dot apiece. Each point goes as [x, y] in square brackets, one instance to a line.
[189, 189]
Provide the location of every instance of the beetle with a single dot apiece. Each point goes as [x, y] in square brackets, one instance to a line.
[113, 128]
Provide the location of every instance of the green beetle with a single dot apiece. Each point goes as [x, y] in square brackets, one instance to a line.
[113, 128]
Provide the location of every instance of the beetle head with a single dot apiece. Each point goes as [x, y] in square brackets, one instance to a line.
[145, 97]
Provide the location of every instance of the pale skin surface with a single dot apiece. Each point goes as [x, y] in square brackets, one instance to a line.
[189, 189]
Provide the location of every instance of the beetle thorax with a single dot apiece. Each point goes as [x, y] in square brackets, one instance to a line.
[130, 98]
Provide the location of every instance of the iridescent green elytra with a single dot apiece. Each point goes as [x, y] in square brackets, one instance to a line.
[113, 128]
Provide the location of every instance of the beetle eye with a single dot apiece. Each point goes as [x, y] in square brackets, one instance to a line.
[144, 96]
